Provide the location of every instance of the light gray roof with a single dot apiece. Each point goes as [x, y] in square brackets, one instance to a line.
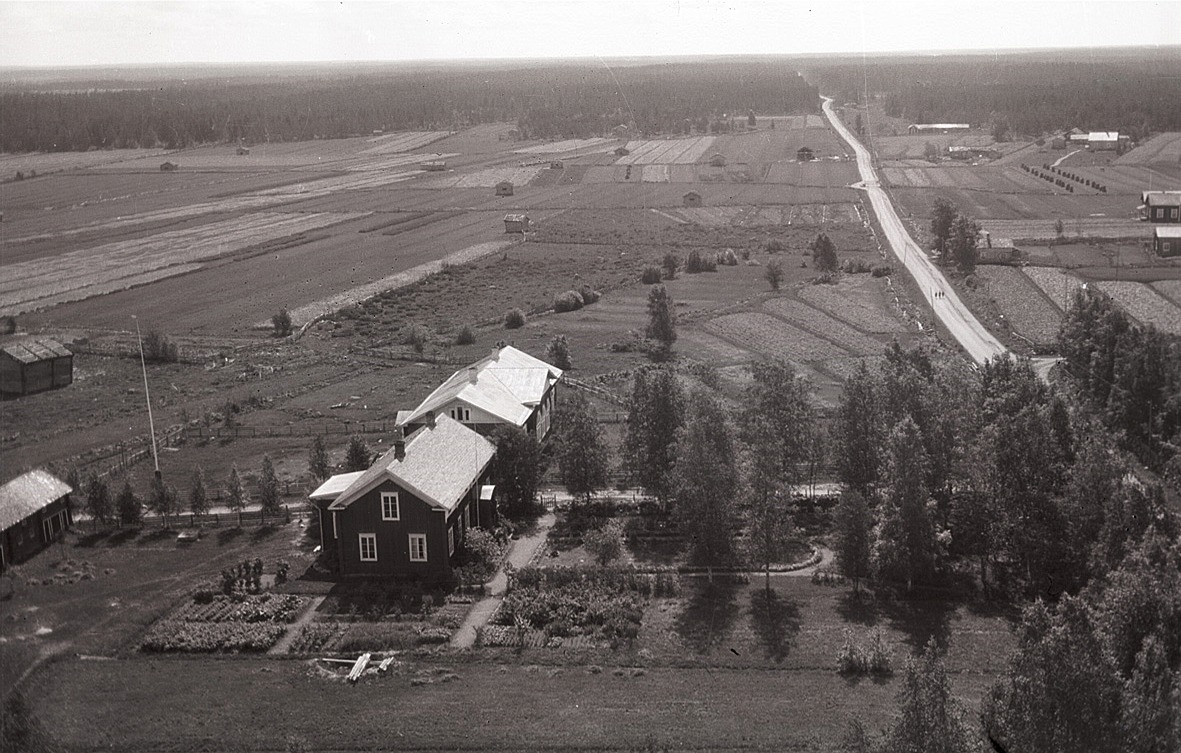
[1162, 198]
[334, 486]
[1167, 232]
[33, 349]
[440, 463]
[506, 384]
[27, 494]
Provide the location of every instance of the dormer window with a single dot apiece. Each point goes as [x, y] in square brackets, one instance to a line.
[389, 506]
[459, 413]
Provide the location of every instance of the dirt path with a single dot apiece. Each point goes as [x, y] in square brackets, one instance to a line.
[519, 556]
[1062, 159]
[293, 631]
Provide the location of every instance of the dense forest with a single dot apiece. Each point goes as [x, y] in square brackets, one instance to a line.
[547, 100]
[1030, 93]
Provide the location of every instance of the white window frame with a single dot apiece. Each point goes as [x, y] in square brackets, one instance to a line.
[417, 542]
[461, 414]
[387, 497]
[450, 541]
[372, 539]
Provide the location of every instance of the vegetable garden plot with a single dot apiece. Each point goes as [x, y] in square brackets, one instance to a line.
[1021, 301]
[655, 174]
[403, 142]
[666, 151]
[1085, 227]
[25, 284]
[822, 325]
[561, 147]
[1144, 303]
[1058, 286]
[764, 333]
[709, 216]
[855, 300]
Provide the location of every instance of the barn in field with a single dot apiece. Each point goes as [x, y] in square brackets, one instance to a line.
[804, 154]
[991, 250]
[621, 151]
[516, 223]
[1166, 241]
[1160, 206]
[434, 166]
[168, 167]
[556, 165]
[243, 151]
[504, 188]
[691, 199]
[1103, 140]
[718, 160]
[34, 364]
[34, 511]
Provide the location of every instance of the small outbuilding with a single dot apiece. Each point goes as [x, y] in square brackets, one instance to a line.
[691, 199]
[1166, 241]
[622, 151]
[243, 151]
[168, 167]
[1160, 206]
[34, 364]
[1103, 140]
[556, 165]
[914, 128]
[504, 188]
[991, 250]
[434, 166]
[718, 160]
[516, 223]
[804, 154]
[34, 511]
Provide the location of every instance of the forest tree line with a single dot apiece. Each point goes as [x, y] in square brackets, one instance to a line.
[1030, 94]
[551, 102]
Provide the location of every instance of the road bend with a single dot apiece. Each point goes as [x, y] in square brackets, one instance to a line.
[964, 327]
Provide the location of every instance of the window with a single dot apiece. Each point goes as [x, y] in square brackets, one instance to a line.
[451, 540]
[461, 414]
[389, 506]
[467, 514]
[368, 547]
[418, 547]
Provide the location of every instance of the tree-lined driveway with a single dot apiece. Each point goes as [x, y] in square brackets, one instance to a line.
[939, 294]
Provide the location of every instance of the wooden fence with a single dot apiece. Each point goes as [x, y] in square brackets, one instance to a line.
[345, 427]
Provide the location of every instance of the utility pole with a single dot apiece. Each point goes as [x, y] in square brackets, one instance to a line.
[147, 397]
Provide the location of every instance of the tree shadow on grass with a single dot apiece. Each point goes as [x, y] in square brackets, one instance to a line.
[776, 622]
[122, 536]
[860, 608]
[921, 617]
[263, 532]
[155, 535]
[93, 539]
[709, 613]
[228, 535]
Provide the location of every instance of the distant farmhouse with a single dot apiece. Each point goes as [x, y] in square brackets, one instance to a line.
[434, 166]
[1160, 206]
[34, 364]
[1166, 241]
[621, 151]
[718, 160]
[34, 511]
[1103, 140]
[243, 151]
[516, 223]
[168, 167]
[507, 387]
[409, 512]
[504, 188]
[971, 152]
[691, 199]
[914, 128]
[991, 250]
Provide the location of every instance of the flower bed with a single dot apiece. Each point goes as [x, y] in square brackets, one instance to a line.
[261, 608]
[209, 637]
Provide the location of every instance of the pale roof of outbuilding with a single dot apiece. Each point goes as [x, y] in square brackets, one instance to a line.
[28, 493]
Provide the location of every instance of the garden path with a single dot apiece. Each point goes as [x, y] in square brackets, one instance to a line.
[519, 555]
[309, 613]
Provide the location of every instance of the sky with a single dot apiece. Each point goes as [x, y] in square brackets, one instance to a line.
[102, 33]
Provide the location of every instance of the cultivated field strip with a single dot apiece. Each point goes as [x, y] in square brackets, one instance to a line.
[848, 301]
[325, 186]
[392, 143]
[312, 311]
[666, 151]
[1086, 227]
[1022, 303]
[822, 325]
[487, 178]
[42, 162]
[1170, 289]
[1144, 303]
[1058, 286]
[712, 349]
[114, 286]
[561, 147]
[26, 284]
[710, 216]
[763, 333]
[655, 174]
[1164, 147]
[391, 162]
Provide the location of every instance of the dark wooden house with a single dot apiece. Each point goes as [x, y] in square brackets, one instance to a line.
[691, 199]
[1166, 241]
[168, 167]
[34, 364]
[408, 514]
[718, 160]
[504, 188]
[1160, 206]
[34, 511]
[804, 154]
[516, 223]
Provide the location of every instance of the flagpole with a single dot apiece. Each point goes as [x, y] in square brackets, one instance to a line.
[147, 397]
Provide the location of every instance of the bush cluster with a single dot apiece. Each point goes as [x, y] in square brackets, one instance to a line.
[651, 275]
[465, 336]
[699, 262]
[209, 637]
[514, 319]
[881, 270]
[856, 659]
[567, 301]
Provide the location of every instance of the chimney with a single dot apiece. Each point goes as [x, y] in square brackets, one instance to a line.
[430, 419]
[473, 374]
[399, 444]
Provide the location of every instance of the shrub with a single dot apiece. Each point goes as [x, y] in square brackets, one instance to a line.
[881, 270]
[558, 352]
[416, 336]
[773, 246]
[699, 262]
[850, 659]
[8, 324]
[671, 263]
[159, 349]
[774, 274]
[514, 319]
[281, 322]
[650, 276]
[606, 543]
[465, 336]
[589, 295]
[567, 301]
[855, 266]
[728, 258]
